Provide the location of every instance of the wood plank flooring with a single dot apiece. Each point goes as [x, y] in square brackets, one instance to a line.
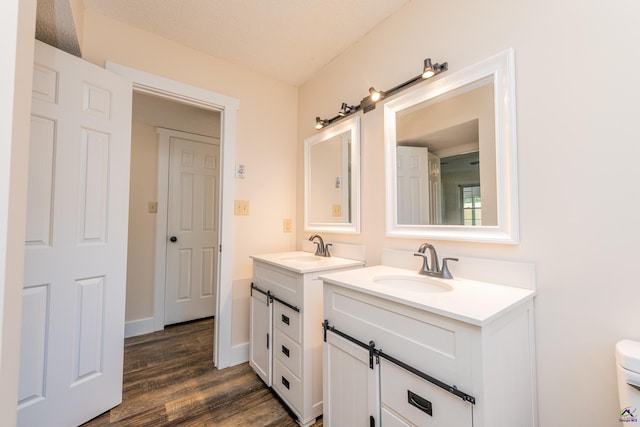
[169, 380]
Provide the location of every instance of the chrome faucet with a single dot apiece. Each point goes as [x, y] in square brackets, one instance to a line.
[322, 249]
[430, 265]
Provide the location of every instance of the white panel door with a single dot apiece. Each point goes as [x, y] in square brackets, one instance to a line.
[350, 386]
[76, 242]
[192, 228]
[413, 185]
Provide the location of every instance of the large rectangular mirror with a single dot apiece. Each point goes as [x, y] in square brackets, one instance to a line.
[332, 178]
[450, 151]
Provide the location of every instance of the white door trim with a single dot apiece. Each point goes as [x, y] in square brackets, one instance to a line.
[170, 89]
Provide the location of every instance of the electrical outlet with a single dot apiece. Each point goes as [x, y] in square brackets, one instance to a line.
[241, 207]
[336, 210]
[286, 225]
[153, 207]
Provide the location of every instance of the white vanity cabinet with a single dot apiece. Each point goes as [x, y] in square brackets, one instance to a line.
[398, 357]
[285, 347]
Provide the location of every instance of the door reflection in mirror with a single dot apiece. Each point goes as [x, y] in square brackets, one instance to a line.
[446, 159]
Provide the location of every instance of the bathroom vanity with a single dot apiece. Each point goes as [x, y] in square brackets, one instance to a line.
[285, 329]
[402, 349]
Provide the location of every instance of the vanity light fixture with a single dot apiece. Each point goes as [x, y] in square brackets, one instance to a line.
[375, 94]
[429, 70]
[368, 103]
[320, 123]
[345, 110]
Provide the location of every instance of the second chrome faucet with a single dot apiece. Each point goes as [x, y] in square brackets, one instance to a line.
[430, 264]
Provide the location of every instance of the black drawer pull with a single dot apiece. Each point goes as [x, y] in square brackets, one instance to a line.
[285, 319]
[285, 382]
[285, 350]
[420, 402]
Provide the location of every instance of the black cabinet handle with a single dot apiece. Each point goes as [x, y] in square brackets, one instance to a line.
[285, 350]
[420, 402]
[285, 319]
[285, 382]
[173, 239]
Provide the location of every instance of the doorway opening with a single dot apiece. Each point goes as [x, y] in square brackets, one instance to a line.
[226, 107]
[174, 195]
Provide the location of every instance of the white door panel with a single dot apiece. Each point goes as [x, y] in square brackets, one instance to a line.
[76, 245]
[192, 220]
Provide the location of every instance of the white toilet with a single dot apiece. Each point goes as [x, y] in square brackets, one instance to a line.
[628, 372]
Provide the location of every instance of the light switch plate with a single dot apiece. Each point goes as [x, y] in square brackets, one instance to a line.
[286, 225]
[241, 207]
[153, 207]
[240, 171]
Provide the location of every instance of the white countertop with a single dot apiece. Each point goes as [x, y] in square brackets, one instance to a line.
[306, 262]
[470, 301]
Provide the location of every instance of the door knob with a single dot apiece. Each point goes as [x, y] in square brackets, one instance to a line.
[173, 239]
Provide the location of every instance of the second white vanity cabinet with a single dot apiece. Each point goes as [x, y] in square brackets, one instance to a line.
[396, 355]
[285, 347]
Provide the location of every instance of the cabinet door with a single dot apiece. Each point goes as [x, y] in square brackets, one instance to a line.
[260, 336]
[350, 386]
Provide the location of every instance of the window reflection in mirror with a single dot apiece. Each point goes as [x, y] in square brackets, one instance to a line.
[446, 170]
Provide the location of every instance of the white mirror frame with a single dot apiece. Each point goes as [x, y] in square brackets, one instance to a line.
[349, 124]
[501, 68]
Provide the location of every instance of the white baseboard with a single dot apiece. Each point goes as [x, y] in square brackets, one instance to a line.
[239, 354]
[138, 327]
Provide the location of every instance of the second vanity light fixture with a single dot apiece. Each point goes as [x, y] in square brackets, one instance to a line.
[368, 103]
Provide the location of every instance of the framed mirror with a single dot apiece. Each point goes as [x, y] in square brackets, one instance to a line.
[451, 157]
[332, 178]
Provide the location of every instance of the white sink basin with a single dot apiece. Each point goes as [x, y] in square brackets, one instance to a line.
[303, 258]
[413, 283]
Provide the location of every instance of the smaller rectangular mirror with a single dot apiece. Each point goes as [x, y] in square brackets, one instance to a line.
[332, 178]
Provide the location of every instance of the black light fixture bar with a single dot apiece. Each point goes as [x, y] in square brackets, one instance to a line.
[368, 103]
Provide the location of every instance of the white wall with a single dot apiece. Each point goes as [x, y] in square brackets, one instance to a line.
[266, 137]
[17, 26]
[578, 148]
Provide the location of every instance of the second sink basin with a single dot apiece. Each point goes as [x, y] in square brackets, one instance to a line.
[413, 283]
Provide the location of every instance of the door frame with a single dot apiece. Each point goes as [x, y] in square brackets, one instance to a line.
[152, 84]
[162, 219]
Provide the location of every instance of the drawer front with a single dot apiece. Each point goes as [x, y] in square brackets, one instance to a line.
[287, 320]
[287, 351]
[433, 344]
[408, 398]
[287, 385]
[283, 284]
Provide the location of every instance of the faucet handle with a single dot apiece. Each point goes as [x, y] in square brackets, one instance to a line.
[446, 274]
[326, 249]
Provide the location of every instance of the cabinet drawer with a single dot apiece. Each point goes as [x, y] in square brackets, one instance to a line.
[431, 343]
[282, 284]
[287, 385]
[409, 399]
[287, 320]
[287, 351]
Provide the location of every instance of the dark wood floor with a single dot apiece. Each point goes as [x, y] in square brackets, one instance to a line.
[169, 380]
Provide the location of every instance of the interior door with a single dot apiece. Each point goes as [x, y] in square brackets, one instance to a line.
[192, 227]
[413, 185]
[76, 244]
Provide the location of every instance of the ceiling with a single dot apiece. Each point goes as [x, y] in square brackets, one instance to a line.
[289, 40]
